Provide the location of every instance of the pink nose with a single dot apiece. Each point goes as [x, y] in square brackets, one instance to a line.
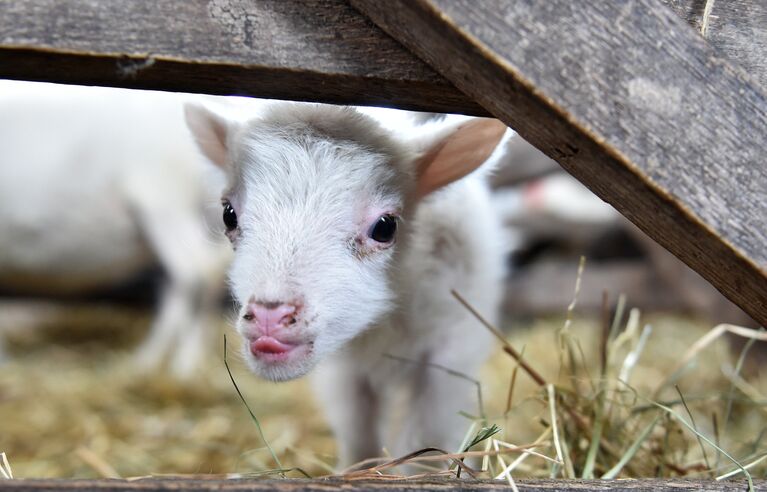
[271, 316]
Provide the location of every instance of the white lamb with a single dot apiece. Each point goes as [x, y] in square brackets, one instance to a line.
[97, 184]
[348, 240]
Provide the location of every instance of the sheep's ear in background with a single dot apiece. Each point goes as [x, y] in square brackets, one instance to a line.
[458, 153]
[209, 131]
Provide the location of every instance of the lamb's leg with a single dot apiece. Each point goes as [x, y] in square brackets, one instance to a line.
[194, 269]
[436, 400]
[352, 407]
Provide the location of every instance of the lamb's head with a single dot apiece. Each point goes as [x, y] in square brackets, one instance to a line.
[316, 209]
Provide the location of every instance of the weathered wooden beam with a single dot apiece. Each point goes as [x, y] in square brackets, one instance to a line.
[629, 100]
[318, 50]
[289, 485]
[547, 288]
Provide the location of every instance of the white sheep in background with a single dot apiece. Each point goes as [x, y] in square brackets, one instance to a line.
[348, 239]
[97, 184]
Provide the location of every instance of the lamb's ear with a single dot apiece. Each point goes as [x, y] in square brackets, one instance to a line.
[457, 154]
[210, 131]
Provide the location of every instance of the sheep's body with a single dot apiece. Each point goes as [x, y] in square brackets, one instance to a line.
[97, 184]
[319, 282]
[406, 402]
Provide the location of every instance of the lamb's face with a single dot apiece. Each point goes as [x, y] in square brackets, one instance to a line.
[313, 211]
[314, 222]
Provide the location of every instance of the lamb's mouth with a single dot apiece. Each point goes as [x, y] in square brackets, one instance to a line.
[271, 350]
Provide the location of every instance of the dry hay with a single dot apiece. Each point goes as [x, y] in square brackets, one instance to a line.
[82, 410]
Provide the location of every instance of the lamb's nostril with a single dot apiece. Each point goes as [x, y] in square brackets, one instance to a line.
[248, 317]
[270, 315]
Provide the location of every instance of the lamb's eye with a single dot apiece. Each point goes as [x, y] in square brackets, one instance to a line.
[230, 217]
[384, 229]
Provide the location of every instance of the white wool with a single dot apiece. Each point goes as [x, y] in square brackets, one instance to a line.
[306, 182]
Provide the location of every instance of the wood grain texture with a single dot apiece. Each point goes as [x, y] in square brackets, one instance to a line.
[737, 29]
[317, 50]
[168, 485]
[629, 100]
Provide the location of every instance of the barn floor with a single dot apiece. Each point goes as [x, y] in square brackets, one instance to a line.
[75, 406]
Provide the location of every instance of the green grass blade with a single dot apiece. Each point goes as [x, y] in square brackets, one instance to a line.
[252, 415]
[631, 451]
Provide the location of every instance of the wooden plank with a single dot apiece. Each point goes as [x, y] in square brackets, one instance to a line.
[737, 29]
[296, 485]
[314, 50]
[543, 288]
[318, 50]
[629, 100]
[547, 288]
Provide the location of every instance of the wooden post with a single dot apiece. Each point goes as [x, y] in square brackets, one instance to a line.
[629, 100]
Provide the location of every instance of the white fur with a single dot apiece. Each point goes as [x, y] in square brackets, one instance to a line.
[97, 184]
[306, 181]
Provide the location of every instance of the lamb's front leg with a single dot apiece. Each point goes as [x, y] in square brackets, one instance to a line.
[436, 400]
[352, 407]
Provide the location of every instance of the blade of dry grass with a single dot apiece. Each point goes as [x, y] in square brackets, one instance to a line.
[5, 467]
[97, 463]
[506, 345]
[711, 443]
[561, 457]
[415, 457]
[311, 458]
[633, 357]
[697, 433]
[707, 9]
[564, 335]
[281, 472]
[487, 465]
[702, 343]
[525, 454]
[632, 450]
[512, 383]
[732, 374]
[731, 390]
[745, 467]
[596, 437]
[420, 456]
[529, 450]
[607, 348]
[509, 478]
[715, 428]
[468, 436]
[619, 308]
[252, 415]
[604, 335]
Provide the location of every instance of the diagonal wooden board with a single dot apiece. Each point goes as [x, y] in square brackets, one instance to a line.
[629, 100]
